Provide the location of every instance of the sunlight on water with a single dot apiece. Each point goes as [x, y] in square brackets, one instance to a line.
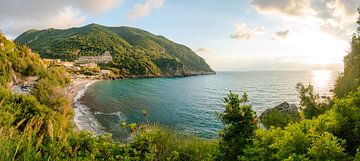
[322, 79]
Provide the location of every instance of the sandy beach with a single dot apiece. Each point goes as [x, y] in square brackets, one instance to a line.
[73, 89]
[76, 86]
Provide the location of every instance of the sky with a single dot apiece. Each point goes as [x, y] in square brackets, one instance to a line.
[229, 35]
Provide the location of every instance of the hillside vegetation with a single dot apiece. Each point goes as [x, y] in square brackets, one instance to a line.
[134, 51]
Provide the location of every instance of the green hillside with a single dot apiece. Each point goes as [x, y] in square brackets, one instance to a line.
[134, 51]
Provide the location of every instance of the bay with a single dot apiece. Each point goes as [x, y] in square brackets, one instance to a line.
[189, 104]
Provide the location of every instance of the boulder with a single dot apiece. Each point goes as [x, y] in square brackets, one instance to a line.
[285, 108]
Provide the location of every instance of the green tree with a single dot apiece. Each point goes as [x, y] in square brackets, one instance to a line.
[350, 79]
[240, 125]
[308, 101]
[277, 119]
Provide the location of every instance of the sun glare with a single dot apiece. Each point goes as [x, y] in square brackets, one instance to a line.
[321, 79]
[319, 48]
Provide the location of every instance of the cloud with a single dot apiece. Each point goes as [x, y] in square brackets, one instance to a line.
[321, 8]
[17, 16]
[144, 10]
[336, 17]
[243, 32]
[204, 50]
[65, 18]
[281, 34]
[97, 6]
[287, 7]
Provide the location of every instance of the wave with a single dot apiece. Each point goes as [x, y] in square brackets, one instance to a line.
[84, 118]
[117, 114]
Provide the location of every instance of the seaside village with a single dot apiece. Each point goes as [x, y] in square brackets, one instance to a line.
[82, 70]
[85, 66]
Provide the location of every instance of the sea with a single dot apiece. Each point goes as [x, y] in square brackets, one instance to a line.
[188, 104]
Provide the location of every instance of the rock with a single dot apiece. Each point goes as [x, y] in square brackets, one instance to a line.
[284, 108]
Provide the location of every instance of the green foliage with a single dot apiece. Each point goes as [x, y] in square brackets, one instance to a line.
[240, 125]
[167, 144]
[174, 53]
[300, 141]
[333, 135]
[134, 51]
[350, 79]
[38, 126]
[308, 101]
[346, 120]
[17, 59]
[277, 119]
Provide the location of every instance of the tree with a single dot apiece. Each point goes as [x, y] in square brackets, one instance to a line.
[278, 119]
[350, 79]
[240, 125]
[308, 101]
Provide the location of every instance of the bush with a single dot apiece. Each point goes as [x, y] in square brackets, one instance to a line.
[299, 141]
[167, 144]
[277, 119]
[308, 101]
[240, 125]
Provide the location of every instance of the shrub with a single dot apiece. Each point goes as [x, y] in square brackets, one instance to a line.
[167, 144]
[240, 125]
[308, 101]
[277, 119]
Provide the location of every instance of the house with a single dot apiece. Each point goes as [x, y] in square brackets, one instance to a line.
[105, 72]
[104, 58]
[67, 64]
[89, 65]
[75, 68]
[56, 61]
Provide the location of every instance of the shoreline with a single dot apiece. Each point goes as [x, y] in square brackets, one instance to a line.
[76, 89]
[72, 93]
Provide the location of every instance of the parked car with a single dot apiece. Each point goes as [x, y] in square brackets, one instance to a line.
[25, 88]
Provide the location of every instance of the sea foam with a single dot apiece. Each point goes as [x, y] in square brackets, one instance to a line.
[84, 118]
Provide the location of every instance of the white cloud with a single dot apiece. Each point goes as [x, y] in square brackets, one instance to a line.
[17, 16]
[243, 32]
[281, 34]
[66, 18]
[97, 6]
[336, 17]
[144, 10]
[287, 7]
[204, 50]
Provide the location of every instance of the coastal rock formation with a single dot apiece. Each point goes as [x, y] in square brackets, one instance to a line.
[284, 108]
[280, 115]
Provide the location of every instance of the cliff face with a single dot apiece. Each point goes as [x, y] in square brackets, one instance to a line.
[134, 51]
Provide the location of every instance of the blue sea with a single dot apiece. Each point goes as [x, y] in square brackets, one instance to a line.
[188, 104]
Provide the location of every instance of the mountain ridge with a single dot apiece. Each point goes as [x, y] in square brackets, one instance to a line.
[135, 51]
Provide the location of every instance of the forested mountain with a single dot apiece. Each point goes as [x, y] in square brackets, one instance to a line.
[134, 51]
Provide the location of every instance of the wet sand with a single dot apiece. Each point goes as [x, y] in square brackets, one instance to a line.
[72, 90]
